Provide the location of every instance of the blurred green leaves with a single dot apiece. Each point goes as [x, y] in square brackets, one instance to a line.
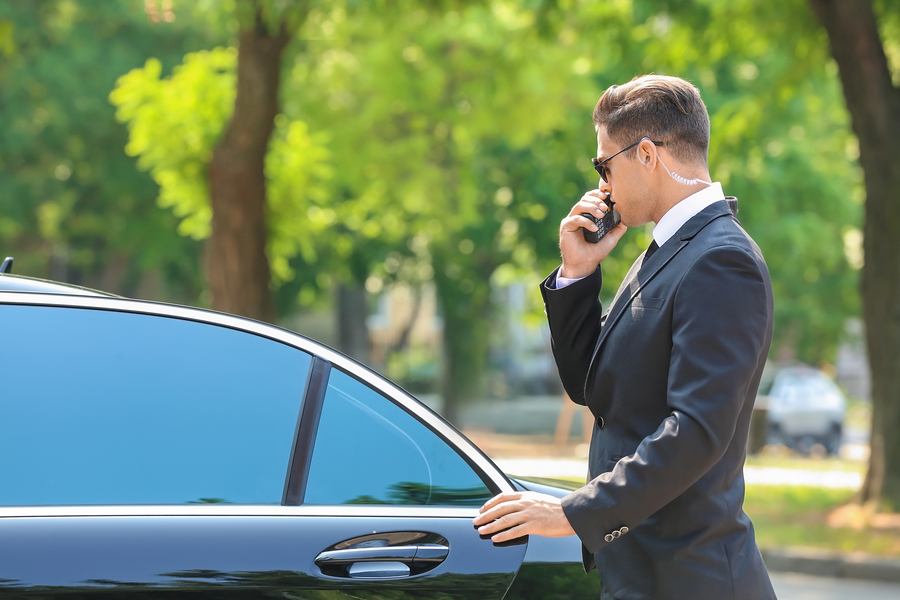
[173, 125]
[456, 136]
[424, 141]
[72, 204]
[7, 39]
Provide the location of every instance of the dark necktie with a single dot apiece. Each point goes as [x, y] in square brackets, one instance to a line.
[651, 249]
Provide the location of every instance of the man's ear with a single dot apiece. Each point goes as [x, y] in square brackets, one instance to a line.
[645, 152]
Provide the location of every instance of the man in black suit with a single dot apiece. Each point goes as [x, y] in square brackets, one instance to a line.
[670, 371]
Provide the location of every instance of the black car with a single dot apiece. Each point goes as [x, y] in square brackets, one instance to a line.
[152, 450]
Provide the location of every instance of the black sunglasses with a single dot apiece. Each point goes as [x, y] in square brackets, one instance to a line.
[600, 165]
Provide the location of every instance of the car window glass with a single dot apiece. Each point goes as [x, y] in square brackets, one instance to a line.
[805, 390]
[103, 407]
[368, 450]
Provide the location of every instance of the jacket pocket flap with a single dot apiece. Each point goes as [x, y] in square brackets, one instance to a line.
[648, 302]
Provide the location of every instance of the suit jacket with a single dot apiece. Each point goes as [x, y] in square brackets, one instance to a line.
[670, 373]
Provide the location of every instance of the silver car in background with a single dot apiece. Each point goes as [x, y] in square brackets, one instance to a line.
[805, 408]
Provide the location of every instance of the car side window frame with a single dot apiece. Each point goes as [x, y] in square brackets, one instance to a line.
[307, 427]
[313, 402]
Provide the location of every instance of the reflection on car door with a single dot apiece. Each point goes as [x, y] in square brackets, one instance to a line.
[94, 552]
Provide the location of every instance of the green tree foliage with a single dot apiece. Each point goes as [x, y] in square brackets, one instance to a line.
[422, 107]
[180, 123]
[866, 52]
[407, 116]
[781, 144]
[419, 142]
[174, 122]
[7, 37]
[443, 142]
[71, 204]
[173, 125]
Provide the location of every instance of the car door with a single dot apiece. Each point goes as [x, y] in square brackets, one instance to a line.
[152, 450]
[412, 496]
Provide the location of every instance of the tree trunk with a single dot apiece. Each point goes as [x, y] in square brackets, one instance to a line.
[874, 106]
[466, 337]
[353, 332]
[462, 365]
[236, 264]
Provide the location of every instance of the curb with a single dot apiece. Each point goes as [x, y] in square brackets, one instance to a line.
[822, 563]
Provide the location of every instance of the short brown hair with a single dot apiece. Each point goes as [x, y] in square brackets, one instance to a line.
[665, 109]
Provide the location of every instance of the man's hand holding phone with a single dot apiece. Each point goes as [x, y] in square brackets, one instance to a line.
[580, 257]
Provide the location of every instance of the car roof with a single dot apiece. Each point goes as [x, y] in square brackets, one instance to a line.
[20, 283]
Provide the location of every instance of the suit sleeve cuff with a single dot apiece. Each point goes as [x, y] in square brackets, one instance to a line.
[556, 282]
[562, 282]
[595, 526]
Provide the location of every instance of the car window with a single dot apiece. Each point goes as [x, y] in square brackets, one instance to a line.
[805, 390]
[103, 407]
[368, 450]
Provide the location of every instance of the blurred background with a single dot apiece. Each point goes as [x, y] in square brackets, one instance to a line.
[388, 177]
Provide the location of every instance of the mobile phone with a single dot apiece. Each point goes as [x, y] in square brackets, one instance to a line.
[604, 225]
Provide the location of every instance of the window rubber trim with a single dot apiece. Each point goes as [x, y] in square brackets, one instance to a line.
[298, 471]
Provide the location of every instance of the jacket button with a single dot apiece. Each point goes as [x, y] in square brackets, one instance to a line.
[609, 538]
[600, 423]
[624, 530]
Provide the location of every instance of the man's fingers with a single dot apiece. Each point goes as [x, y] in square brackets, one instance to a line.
[498, 499]
[576, 222]
[510, 516]
[617, 232]
[497, 513]
[509, 520]
[594, 195]
[509, 534]
[492, 526]
[589, 203]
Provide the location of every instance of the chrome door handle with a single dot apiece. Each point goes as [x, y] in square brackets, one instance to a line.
[352, 555]
[378, 570]
[384, 561]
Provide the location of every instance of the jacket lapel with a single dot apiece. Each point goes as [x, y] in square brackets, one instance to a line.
[645, 269]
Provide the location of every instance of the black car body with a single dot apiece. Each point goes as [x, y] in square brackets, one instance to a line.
[153, 450]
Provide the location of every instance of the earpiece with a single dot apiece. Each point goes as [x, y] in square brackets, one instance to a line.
[684, 181]
[681, 179]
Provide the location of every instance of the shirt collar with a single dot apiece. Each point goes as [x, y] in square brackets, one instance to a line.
[681, 213]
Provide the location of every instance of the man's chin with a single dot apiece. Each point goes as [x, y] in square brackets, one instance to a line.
[630, 221]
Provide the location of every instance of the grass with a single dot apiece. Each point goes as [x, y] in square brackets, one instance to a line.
[793, 461]
[797, 516]
[786, 516]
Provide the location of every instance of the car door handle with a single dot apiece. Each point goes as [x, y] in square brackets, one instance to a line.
[426, 554]
[352, 555]
[384, 561]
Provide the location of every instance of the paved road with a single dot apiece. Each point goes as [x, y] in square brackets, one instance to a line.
[794, 586]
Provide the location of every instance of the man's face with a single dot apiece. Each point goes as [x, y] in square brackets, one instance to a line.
[626, 181]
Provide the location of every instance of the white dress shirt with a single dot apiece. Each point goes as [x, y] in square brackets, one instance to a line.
[672, 221]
